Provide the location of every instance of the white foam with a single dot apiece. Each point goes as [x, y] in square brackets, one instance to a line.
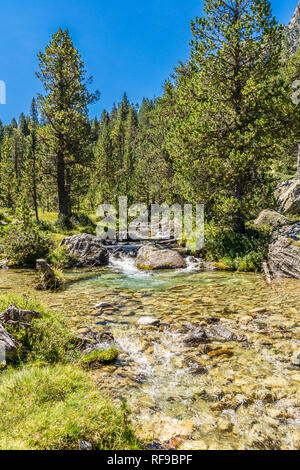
[126, 264]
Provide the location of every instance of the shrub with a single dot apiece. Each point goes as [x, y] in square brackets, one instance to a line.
[78, 221]
[23, 243]
[46, 408]
[24, 247]
[46, 226]
[60, 257]
[82, 219]
[64, 223]
[241, 251]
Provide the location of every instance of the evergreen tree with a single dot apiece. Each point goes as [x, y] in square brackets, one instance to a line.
[153, 174]
[23, 125]
[34, 114]
[31, 171]
[228, 102]
[8, 180]
[64, 107]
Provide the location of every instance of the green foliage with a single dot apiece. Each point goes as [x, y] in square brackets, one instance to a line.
[236, 251]
[228, 115]
[66, 133]
[46, 226]
[49, 339]
[24, 243]
[100, 357]
[77, 221]
[64, 223]
[60, 257]
[56, 408]
[8, 178]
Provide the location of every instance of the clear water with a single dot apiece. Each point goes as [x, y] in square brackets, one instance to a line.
[249, 399]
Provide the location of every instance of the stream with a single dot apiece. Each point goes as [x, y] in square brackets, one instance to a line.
[234, 389]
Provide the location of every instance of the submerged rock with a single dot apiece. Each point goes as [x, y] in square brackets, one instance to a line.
[196, 336]
[152, 257]
[284, 251]
[223, 334]
[272, 218]
[86, 251]
[296, 359]
[148, 321]
[288, 196]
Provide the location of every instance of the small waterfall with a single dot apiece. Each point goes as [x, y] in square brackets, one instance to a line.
[125, 263]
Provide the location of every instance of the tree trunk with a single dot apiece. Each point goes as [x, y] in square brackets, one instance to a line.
[63, 203]
[35, 201]
[68, 190]
[298, 161]
[239, 223]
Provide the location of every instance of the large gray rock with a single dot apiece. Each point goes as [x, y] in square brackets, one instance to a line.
[15, 315]
[288, 196]
[272, 218]
[152, 257]
[86, 250]
[284, 251]
[293, 30]
[7, 342]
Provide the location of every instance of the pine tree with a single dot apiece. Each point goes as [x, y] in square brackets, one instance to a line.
[31, 171]
[23, 125]
[130, 144]
[8, 180]
[34, 114]
[64, 107]
[153, 174]
[228, 102]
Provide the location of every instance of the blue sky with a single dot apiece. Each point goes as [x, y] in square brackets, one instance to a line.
[129, 46]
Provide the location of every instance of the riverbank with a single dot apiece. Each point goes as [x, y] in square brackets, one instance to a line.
[237, 391]
[48, 401]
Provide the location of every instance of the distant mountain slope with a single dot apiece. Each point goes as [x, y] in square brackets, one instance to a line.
[293, 29]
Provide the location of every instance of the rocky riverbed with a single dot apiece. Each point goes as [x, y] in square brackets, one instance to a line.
[208, 360]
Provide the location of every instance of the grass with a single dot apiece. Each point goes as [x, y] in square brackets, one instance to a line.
[50, 340]
[47, 400]
[55, 407]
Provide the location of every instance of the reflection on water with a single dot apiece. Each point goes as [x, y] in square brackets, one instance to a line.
[231, 395]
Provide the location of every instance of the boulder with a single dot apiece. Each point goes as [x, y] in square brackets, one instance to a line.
[14, 316]
[86, 251]
[152, 257]
[284, 251]
[3, 264]
[288, 196]
[272, 218]
[49, 279]
[7, 342]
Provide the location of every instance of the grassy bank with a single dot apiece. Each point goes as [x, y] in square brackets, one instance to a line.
[47, 399]
[56, 407]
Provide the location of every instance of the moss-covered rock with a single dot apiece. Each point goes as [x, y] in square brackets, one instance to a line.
[100, 357]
